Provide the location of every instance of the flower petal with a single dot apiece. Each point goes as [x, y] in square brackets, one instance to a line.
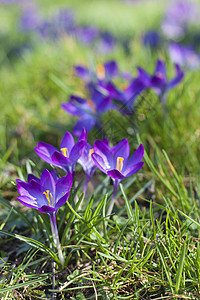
[115, 174]
[77, 150]
[29, 202]
[47, 182]
[136, 157]
[60, 160]
[87, 122]
[63, 185]
[45, 151]
[46, 209]
[62, 201]
[67, 141]
[122, 149]
[99, 162]
[134, 169]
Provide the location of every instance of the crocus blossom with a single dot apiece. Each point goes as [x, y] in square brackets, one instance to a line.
[69, 152]
[159, 81]
[115, 162]
[106, 71]
[88, 111]
[184, 56]
[47, 195]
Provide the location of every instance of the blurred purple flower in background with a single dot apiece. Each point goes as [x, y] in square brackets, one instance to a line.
[88, 111]
[180, 14]
[184, 56]
[69, 152]
[151, 39]
[158, 81]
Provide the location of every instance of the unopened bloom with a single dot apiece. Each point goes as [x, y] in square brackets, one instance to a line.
[69, 152]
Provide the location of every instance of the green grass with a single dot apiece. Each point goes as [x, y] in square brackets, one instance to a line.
[149, 247]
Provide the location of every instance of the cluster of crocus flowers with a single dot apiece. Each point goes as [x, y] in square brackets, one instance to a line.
[50, 192]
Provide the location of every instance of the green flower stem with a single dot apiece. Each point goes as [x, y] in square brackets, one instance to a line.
[55, 235]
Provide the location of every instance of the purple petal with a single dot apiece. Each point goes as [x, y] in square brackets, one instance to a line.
[103, 150]
[54, 175]
[60, 160]
[63, 185]
[111, 69]
[83, 135]
[62, 201]
[46, 209]
[99, 162]
[45, 151]
[177, 79]
[122, 149]
[67, 141]
[160, 69]
[33, 177]
[104, 105]
[32, 191]
[115, 174]
[136, 157]
[134, 169]
[29, 202]
[72, 109]
[77, 150]
[82, 72]
[87, 122]
[47, 182]
[144, 77]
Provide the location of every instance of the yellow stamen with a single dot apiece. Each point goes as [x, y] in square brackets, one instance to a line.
[100, 71]
[65, 152]
[48, 195]
[90, 153]
[91, 104]
[120, 163]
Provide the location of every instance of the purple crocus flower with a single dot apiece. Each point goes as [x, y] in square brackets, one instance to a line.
[178, 16]
[88, 111]
[115, 162]
[106, 71]
[86, 34]
[47, 195]
[184, 56]
[106, 43]
[69, 152]
[127, 95]
[158, 81]
[151, 39]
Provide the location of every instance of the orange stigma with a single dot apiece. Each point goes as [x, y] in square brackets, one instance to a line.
[100, 71]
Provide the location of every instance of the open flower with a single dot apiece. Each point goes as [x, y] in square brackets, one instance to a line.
[46, 194]
[69, 152]
[88, 111]
[106, 71]
[158, 81]
[115, 162]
